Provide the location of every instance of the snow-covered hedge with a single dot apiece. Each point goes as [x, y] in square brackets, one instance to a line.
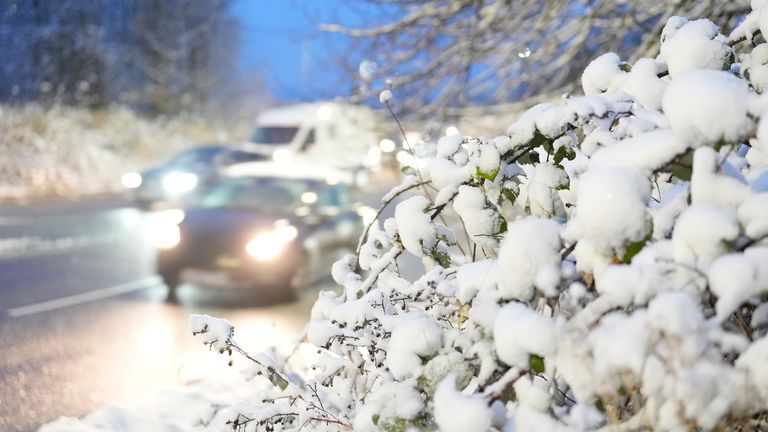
[601, 266]
[74, 151]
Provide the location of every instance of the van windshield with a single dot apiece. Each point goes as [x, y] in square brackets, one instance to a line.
[274, 134]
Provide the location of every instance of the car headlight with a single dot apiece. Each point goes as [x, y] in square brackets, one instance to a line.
[269, 245]
[179, 182]
[164, 235]
[163, 231]
[131, 180]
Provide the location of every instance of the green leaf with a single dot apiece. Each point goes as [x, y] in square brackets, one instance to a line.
[635, 248]
[375, 419]
[442, 258]
[538, 140]
[626, 67]
[536, 363]
[599, 405]
[730, 59]
[632, 250]
[509, 394]
[502, 225]
[490, 176]
[530, 158]
[719, 144]
[682, 168]
[423, 383]
[508, 194]
[564, 152]
[397, 426]
[408, 170]
[564, 186]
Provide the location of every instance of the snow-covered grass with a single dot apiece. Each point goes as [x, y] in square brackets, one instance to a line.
[67, 151]
[613, 276]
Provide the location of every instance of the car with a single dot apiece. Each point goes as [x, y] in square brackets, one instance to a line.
[267, 228]
[181, 178]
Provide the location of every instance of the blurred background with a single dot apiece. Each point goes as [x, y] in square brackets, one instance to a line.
[156, 153]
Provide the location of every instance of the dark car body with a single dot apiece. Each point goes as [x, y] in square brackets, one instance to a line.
[214, 239]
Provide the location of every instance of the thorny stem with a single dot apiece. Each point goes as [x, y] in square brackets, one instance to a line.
[272, 374]
[735, 42]
[567, 251]
[408, 145]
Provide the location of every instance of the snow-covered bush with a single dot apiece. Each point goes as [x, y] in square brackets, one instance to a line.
[66, 150]
[602, 265]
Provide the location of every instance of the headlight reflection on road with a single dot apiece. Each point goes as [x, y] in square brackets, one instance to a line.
[268, 245]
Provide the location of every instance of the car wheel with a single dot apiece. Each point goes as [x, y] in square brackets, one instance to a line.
[299, 282]
[171, 280]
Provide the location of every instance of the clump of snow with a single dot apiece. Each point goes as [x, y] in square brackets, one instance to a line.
[519, 332]
[647, 152]
[482, 221]
[603, 74]
[416, 334]
[546, 118]
[694, 45]
[529, 257]
[733, 279]
[702, 233]
[475, 277]
[644, 84]
[755, 66]
[215, 332]
[416, 229]
[705, 106]
[385, 96]
[611, 209]
[457, 412]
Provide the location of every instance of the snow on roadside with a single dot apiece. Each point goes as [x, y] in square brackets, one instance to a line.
[67, 151]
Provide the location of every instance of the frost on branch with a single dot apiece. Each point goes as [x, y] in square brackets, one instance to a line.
[601, 266]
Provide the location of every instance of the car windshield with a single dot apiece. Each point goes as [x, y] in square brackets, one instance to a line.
[274, 134]
[239, 156]
[265, 194]
[197, 156]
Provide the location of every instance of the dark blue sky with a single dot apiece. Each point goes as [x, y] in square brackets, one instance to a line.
[281, 40]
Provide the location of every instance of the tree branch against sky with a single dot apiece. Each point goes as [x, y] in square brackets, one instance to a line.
[452, 53]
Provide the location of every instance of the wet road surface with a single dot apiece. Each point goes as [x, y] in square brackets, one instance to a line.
[83, 321]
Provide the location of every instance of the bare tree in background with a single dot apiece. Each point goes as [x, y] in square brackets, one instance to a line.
[454, 53]
[157, 56]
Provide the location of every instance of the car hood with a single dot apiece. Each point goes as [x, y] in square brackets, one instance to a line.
[231, 223]
[159, 172]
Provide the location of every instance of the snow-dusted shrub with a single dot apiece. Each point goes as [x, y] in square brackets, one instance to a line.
[66, 150]
[601, 266]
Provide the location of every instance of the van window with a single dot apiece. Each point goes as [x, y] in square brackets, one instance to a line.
[274, 134]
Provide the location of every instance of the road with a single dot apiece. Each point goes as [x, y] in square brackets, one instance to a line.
[83, 321]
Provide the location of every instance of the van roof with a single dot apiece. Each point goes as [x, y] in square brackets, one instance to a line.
[290, 115]
[291, 170]
[297, 114]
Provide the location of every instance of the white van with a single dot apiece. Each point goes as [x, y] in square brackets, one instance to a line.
[327, 133]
